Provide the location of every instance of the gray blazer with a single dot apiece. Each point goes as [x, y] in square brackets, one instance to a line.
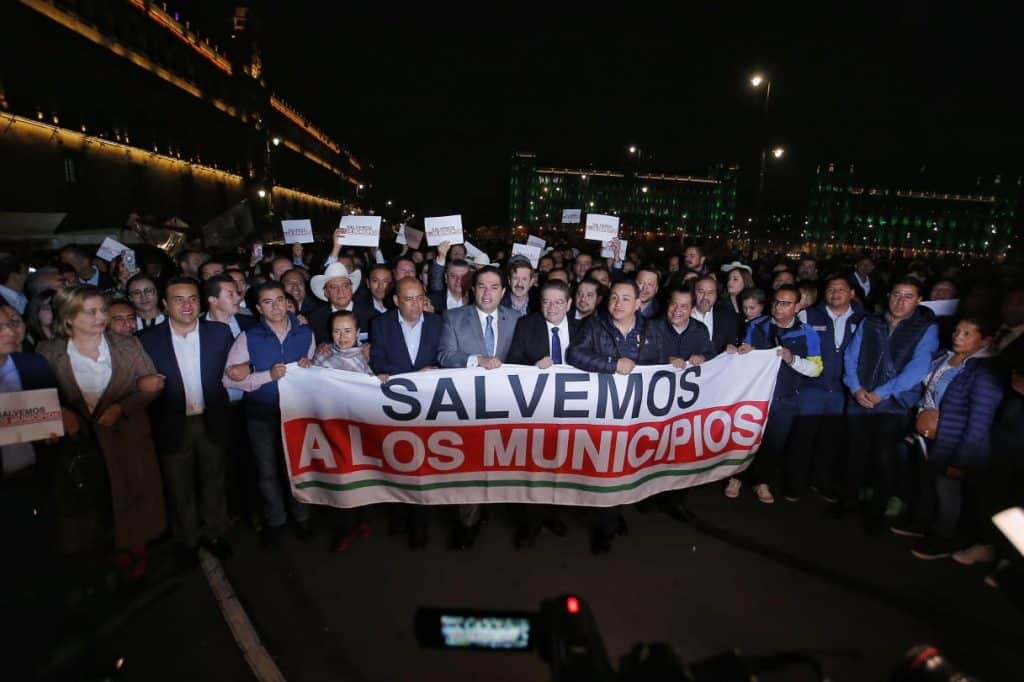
[462, 336]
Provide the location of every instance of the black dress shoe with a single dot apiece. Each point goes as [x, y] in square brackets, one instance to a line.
[526, 536]
[676, 512]
[601, 542]
[219, 548]
[556, 525]
[465, 536]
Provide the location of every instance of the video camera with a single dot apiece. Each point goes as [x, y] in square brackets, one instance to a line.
[565, 634]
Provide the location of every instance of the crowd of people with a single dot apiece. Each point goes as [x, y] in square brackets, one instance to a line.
[898, 398]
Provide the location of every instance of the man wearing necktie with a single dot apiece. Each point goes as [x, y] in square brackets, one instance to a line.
[541, 339]
[477, 335]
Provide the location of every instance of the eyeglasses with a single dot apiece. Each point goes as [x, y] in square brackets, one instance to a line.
[13, 325]
[138, 293]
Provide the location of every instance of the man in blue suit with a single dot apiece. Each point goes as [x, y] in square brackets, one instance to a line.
[189, 417]
[477, 335]
[406, 340]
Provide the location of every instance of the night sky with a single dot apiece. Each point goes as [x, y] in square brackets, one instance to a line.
[437, 102]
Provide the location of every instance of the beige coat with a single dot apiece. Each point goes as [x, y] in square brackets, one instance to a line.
[135, 484]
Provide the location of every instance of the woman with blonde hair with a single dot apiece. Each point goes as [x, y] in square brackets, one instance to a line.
[107, 381]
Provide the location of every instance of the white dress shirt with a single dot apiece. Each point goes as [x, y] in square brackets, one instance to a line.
[563, 335]
[452, 303]
[92, 376]
[707, 318]
[139, 322]
[95, 279]
[186, 351]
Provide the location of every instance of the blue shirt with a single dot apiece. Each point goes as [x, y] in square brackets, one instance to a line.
[412, 336]
[912, 373]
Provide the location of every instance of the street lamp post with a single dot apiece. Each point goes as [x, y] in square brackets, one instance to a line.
[757, 80]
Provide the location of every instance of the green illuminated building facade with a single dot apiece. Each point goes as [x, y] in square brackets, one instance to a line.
[846, 212]
[654, 203]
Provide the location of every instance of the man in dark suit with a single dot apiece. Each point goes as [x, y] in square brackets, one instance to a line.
[406, 340]
[541, 339]
[721, 321]
[867, 285]
[477, 335]
[81, 260]
[456, 288]
[189, 417]
[337, 286]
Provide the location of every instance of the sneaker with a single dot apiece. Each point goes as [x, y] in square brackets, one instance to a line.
[975, 554]
[764, 493]
[930, 548]
[908, 529]
[894, 507]
[825, 494]
[732, 488]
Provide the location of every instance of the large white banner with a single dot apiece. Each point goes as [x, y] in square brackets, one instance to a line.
[521, 434]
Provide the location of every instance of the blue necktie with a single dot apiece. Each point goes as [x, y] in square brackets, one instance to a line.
[556, 347]
[489, 338]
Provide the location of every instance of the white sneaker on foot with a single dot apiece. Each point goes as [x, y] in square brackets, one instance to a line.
[764, 493]
[975, 554]
[732, 488]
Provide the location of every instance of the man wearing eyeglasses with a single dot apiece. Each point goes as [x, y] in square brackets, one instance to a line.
[884, 367]
[800, 349]
[541, 339]
[144, 296]
[406, 340]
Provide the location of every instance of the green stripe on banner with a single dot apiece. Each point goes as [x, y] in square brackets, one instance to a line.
[504, 483]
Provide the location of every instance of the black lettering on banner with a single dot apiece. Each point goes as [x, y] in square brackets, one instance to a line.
[651, 407]
[634, 392]
[389, 392]
[561, 395]
[480, 391]
[688, 386]
[446, 387]
[527, 409]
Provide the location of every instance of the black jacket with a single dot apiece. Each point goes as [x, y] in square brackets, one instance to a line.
[320, 320]
[531, 342]
[595, 348]
[694, 340]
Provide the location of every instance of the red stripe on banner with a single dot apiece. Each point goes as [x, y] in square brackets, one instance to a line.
[338, 446]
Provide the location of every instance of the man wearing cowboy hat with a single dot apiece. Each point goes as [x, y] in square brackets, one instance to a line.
[336, 286]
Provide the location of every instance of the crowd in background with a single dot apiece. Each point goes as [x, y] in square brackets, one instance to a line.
[899, 395]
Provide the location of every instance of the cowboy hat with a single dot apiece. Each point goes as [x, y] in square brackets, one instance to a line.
[333, 271]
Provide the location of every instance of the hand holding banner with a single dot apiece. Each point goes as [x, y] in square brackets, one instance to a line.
[521, 434]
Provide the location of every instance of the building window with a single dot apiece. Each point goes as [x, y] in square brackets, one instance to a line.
[70, 176]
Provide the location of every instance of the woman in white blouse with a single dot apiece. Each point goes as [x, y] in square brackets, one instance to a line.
[107, 381]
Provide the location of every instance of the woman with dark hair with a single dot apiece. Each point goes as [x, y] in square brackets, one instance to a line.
[107, 381]
[39, 318]
[953, 427]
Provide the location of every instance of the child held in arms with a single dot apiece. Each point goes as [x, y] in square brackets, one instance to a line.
[343, 353]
